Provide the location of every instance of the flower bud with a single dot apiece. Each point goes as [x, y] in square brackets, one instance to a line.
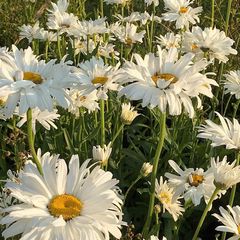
[128, 114]
[146, 169]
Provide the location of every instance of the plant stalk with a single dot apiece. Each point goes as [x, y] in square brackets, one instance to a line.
[102, 119]
[205, 213]
[154, 174]
[31, 141]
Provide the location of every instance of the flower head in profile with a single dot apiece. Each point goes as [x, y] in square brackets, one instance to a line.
[102, 155]
[122, 2]
[149, 2]
[225, 174]
[30, 32]
[232, 83]
[27, 82]
[165, 194]
[45, 118]
[79, 203]
[89, 28]
[181, 12]
[192, 184]
[226, 133]
[166, 81]
[230, 220]
[128, 114]
[210, 42]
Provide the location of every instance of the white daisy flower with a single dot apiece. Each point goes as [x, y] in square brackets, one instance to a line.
[230, 220]
[225, 174]
[169, 40]
[45, 118]
[165, 194]
[91, 27]
[81, 203]
[128, 114]
[62, 22]
[166, 81]
[137, 16]
[94, 74]
[30, 32]
[156, 238]
[150, 2]
[48, 36]
[102, 155]
[79, 100]
[226, 133]
[122, 2]
[133, 17]
[210, 41]
[81, 46]
[61, 6]
[128, 34]
[107, 50]
[192, 184]
[232, 83]
[181, 12]
[29, 83]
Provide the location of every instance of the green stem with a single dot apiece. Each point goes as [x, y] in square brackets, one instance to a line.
[101, 8]
[220, 72]
[148, 37]
[212, 14]
[232, 195]
[228, 16]
[205, 213]
[117, 133]
[152, 27]
[131, 186]
[59, 46]
[236, 108]
[227, 104]
[154, 173]
[102, 122]
[31, 141]
[46, 50]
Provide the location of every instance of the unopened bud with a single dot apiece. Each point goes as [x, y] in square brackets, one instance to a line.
[128, 114]
[146, 169]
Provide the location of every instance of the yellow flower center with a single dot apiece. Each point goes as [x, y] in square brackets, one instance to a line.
[165, 197]
[101, 80]
[32, 76]
[195, 179]
[183, 9]
[65, 205]
[194, 47]
[2, 101]
[128, 41]
[82, 98]
[165, 76]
